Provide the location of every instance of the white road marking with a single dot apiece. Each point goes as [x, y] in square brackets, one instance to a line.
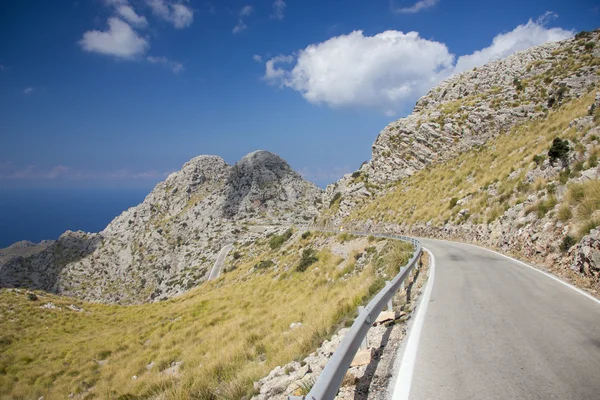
[557, 279]
[404, 379]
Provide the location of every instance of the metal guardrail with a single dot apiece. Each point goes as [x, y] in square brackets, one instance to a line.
[330, 379]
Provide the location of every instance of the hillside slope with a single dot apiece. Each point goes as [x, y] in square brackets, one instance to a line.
[469, 109]
[166, 245]
[210, 343]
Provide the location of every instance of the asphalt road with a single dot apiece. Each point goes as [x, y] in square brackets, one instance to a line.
[495, 329]
[216, 269]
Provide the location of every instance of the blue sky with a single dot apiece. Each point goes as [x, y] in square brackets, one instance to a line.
[118, 93]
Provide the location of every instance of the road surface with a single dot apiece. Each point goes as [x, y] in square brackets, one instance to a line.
[495, 329]
[216, 269]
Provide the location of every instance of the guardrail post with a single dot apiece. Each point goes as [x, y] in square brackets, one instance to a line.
[390, 305]
[402, 284]
[364, 344]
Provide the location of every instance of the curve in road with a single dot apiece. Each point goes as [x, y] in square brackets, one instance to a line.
[216, 269]
[494, 329]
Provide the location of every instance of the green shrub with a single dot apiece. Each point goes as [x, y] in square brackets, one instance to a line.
[567, 242]
[237, 255]
[453, 202]
[376, 286]
[564, 175]
[344, 237]
[336, 199]
[543, 206]
[558, 150]
[356, 174]
[277, 240]
[309, 257]
[263, 264]
[306, 235]
[593, 161]
[539, 159]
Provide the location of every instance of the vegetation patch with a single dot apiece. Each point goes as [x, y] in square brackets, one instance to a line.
[489, 179]
[277, 240]
[212, 342]
[309, 257]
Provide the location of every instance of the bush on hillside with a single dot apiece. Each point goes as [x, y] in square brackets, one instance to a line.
[453, 202]
[263, 264]
[539, 159]
[567, 242]
[558, 150]
[309, 257]
[277, 240]
[336, 198]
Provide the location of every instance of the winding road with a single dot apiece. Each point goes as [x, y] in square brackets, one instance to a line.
[216, 269]
[494, 328]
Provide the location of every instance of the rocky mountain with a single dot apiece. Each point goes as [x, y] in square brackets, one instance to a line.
[473, 162]
[167, 244]
[469, 109]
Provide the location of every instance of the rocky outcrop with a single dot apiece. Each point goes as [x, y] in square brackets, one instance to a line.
[24, 248]
[41, 269]
[524, 229]
[469, 109]
[586, 258]
[167, 244]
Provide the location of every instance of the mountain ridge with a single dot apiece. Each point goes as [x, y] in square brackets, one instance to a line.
[165, 245]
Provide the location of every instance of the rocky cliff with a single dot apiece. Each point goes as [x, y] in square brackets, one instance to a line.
[167, 244]
[474, 162]
[469, 109]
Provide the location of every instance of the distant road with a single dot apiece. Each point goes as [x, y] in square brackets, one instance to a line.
[216, 269]
[496, 329]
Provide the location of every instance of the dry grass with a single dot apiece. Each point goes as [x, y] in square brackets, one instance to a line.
[582, 202]
[469, 178]
[227, 333]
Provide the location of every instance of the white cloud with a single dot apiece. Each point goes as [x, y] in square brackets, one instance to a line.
[57, 171]
[129, 14]
[178, 14]
[387, 68]
[12, 172]
[278, 8]
[257, 58]
[531, 34]
[241, 26]
[174, 66]
[276, 75]
[415, 8]
[29, 90]
[120, 41]
[246, 11]
[391, 69]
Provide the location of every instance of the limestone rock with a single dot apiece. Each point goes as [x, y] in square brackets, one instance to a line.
[168, 243]
[587, 254]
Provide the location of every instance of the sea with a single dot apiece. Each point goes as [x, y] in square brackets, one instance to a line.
[38, 214]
